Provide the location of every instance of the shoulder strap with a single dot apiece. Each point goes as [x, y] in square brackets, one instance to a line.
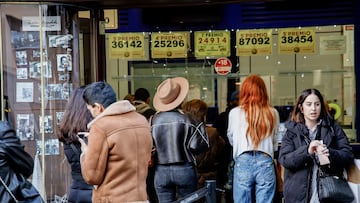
[8, 190]
[318, 133]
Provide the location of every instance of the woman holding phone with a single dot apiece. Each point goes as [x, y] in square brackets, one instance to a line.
[74, 125]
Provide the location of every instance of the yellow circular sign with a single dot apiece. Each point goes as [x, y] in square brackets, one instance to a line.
[337, 109]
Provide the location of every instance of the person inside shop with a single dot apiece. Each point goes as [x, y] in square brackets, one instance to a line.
[309, 128]
[226, 166]
[207, 162]
[141, 103]
[63, 63]
[252, 132]
[116, 157]
[75, 120]
[130, 97]
[178, 137]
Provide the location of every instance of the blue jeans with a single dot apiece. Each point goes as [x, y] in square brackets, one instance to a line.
[172, 181]
[254, 175]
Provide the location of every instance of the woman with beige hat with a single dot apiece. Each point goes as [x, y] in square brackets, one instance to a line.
[178, 137]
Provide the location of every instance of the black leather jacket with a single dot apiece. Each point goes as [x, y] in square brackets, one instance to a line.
[12, 153]
[178, 137]
[13, 159]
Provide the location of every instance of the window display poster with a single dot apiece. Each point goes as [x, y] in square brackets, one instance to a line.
[21, 73]
[62, 41]
[21, 58]
[25, 126]
[24, 92]
[48, 124]
[60, 91]
[59, 117]
[36, 53]
[25, 40]
[48, 23]
[64, 62]
[332, 45]
[35, 69]
[63, 76]
[51, 147]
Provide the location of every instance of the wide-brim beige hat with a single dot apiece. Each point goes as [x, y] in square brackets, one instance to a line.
[170, 93]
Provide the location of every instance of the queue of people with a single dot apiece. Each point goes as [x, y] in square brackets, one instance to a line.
[188, 152]
[111, 162]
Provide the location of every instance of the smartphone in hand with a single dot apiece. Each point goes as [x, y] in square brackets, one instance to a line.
[323, 159]
[83, 137]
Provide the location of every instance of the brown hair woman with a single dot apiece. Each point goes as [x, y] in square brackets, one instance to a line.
[75, 119]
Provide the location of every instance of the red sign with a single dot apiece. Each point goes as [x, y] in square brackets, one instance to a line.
[223, 66]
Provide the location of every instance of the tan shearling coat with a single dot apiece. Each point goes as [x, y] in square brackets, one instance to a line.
[116, 160]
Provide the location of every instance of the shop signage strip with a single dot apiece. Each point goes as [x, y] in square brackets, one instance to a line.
[170, 44]
[127, 45]
[49, 23]
[332, 45]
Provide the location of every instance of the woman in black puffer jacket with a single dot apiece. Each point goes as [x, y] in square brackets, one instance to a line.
[75, 119]
[308, 124]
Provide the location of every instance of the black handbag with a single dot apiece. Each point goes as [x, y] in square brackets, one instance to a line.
[22, 191]
[333, 188]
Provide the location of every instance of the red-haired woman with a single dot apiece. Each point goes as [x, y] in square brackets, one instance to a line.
[252, 132]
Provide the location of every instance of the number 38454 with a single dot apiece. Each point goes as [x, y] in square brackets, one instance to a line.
[296, 39]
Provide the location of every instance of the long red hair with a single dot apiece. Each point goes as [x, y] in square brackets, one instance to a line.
[260, 115]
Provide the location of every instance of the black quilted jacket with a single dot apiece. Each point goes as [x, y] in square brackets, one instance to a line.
[298, 163]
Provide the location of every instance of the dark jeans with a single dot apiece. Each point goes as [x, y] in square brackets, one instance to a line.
[175, 181]
[150, 185]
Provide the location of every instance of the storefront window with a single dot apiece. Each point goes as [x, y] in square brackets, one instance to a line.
[328, 66]
[39, 69]
[330, 69]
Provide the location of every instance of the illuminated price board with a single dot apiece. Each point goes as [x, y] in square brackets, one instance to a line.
[212, 43]
[126, 46]
[169, 45]
[253, 42]
[294, 40]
